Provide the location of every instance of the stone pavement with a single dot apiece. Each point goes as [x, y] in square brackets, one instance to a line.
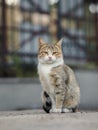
[39, 120]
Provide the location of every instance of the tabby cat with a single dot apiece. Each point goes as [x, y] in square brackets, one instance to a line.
[61, 91]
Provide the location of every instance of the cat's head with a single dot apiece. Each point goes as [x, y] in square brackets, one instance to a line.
[49, 53]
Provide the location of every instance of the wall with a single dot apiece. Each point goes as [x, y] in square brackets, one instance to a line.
[89, 89]
[16, 94]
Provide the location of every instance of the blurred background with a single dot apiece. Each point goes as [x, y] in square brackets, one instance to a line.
[22, 22]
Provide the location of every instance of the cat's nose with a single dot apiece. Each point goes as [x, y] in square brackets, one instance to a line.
[50, 58]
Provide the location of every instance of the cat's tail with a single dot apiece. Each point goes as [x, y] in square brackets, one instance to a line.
[48, 104]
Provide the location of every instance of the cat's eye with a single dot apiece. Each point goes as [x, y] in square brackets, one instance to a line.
[54, 53]
[45, 52]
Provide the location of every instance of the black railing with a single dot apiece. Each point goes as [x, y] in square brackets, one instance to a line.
[21, 25]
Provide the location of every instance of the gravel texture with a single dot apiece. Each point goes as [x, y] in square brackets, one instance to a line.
[39, 120]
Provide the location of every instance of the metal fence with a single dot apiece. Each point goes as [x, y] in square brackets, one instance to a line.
[23, 21]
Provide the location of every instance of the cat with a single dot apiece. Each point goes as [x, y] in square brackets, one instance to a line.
[61, 92]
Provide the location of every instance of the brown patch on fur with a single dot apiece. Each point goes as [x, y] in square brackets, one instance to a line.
[66, 91]
[44, 48]
[66, 87]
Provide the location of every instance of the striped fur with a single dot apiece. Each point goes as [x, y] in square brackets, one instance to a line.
[57, 79]
[45, 48]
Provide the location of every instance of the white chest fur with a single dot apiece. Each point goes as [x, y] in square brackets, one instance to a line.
[45, 69]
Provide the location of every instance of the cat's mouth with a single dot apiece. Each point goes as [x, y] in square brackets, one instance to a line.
[50, 61]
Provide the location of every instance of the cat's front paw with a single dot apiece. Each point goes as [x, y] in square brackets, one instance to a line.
[65, 110]
[55, 110]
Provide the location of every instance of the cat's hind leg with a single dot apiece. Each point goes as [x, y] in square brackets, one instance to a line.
[75, 109]
[47, 104]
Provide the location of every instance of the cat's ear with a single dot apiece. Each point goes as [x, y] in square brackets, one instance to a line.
[40, 40]
[60, 42]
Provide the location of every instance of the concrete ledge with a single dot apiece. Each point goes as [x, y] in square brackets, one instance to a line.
[39, 120]
[18, 80]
